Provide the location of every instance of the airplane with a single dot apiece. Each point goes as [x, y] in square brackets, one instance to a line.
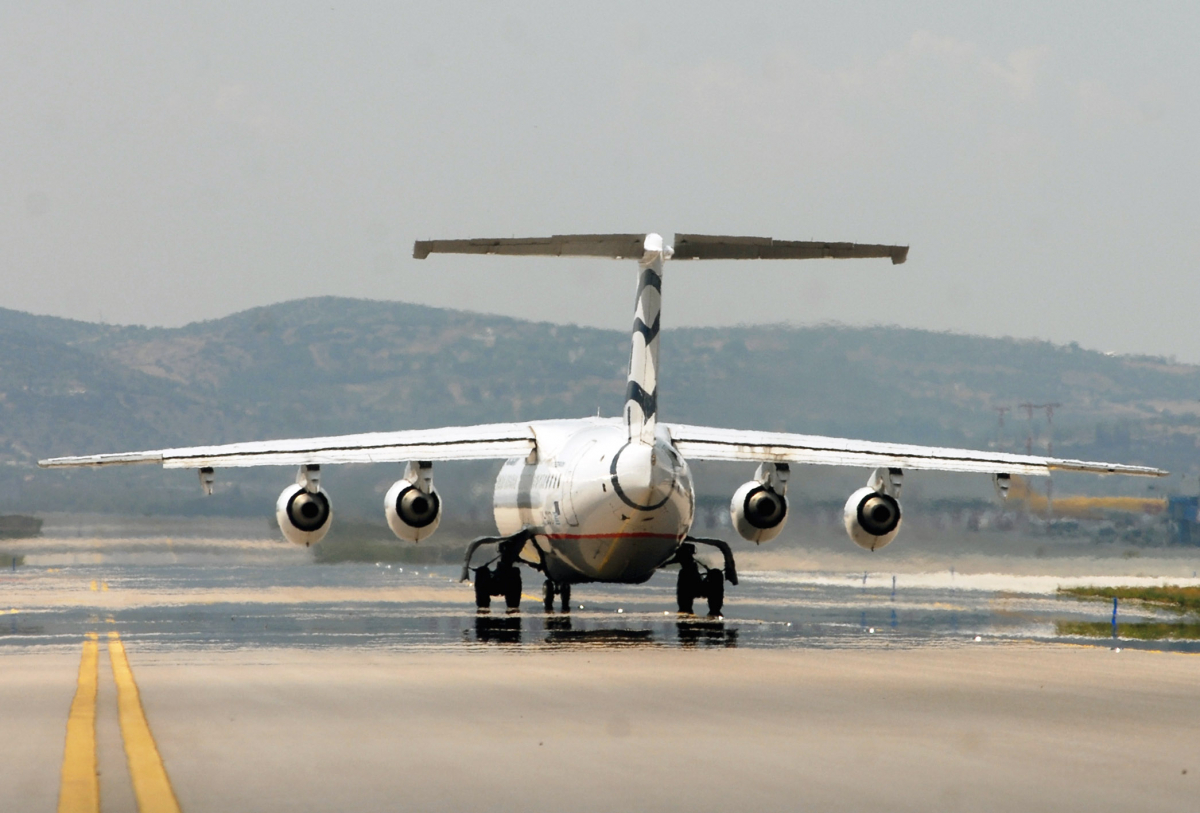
[607, 499]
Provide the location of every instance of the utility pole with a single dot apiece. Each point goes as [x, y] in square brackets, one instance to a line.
[1049, 424]
[1049, 448]
[1000, 411]
[1029, 408]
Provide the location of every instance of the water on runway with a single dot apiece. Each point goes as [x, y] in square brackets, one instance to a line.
[237, 605]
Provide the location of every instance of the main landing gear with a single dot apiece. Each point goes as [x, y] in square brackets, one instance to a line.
[504, 579]
[696, 581]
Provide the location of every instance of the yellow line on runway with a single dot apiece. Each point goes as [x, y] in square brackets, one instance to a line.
[94, 588]
[79, 791]
[150, 783]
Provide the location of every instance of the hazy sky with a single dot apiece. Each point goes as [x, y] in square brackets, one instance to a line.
[161, 164]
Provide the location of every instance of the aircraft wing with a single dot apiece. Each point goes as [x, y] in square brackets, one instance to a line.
[482, 442]
[707, 443]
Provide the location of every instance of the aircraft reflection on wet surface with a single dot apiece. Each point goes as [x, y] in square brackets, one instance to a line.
[366, 606]
[563, 630]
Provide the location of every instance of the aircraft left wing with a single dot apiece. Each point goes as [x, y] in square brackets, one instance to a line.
[482, 442]
[707, 443]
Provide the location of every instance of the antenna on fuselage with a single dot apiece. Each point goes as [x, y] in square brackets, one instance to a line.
[641, 389]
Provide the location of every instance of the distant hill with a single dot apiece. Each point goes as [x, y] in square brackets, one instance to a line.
[333, 365]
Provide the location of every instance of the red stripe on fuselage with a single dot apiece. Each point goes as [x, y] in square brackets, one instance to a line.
[611, 536]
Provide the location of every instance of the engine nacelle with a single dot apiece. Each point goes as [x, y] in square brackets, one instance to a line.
[412, 514]
[758, 511]
[872, 518]
[303, 516]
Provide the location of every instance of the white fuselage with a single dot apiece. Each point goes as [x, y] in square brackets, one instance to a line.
[601, 508]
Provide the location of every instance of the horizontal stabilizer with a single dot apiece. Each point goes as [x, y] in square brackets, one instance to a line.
[713, 247]
[616, 246]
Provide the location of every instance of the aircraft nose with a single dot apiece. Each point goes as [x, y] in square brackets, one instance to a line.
[643, 476]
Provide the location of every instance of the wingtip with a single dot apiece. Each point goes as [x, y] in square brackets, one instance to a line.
[420, 250]
[900, 256]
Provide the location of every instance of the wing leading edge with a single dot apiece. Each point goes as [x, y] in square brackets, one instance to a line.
[482, 442]
[708, 443]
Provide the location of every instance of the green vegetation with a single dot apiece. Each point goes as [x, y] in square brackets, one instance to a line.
[1180, 599]
[1140, 631]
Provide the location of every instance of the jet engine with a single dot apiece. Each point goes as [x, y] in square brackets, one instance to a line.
[303, 511]
[759, 507]
[412, 504]
[872, 514]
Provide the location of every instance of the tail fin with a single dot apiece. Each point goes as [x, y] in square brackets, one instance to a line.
[641, 393]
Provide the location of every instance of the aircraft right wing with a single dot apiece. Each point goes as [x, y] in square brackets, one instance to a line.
[709, 443]
[494, 441]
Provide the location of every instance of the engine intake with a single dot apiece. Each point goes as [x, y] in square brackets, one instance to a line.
[412, 504]
[759, 508]
[872, 518]
[303, 516]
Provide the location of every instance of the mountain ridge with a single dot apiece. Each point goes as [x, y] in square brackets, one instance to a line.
[331, 365]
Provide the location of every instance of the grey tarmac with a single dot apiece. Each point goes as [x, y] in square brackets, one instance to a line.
[1016, 727]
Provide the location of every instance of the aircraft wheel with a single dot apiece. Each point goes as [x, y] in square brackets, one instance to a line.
[564, 590]
[685, 590]
[548, 595]
[512, 588]
[714, 582]
[483, 588]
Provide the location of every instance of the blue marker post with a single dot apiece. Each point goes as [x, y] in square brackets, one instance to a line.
[1114, 618]
[893, 588]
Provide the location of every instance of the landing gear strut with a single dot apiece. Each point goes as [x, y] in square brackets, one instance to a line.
[550, 589]
[696, 581]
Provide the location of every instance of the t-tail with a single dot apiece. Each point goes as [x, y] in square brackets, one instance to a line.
[641, 391]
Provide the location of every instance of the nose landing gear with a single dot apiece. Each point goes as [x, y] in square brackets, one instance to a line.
[552, 588]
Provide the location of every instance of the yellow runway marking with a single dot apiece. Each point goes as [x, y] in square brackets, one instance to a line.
[79, 791]
[104, 586]
[150, 783]
[94, 588]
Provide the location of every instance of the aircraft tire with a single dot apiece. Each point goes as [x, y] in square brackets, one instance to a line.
[714, 583]
[685, 590]
[483, 588]
[512, 588]
[564, 590]
[548, 595]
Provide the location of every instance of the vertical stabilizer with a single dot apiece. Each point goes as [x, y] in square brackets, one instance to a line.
[641, 393]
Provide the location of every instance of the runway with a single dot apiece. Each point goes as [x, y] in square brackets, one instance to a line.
[259, 686]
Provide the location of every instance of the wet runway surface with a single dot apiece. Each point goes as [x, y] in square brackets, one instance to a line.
[218, 682]
[230, 606]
